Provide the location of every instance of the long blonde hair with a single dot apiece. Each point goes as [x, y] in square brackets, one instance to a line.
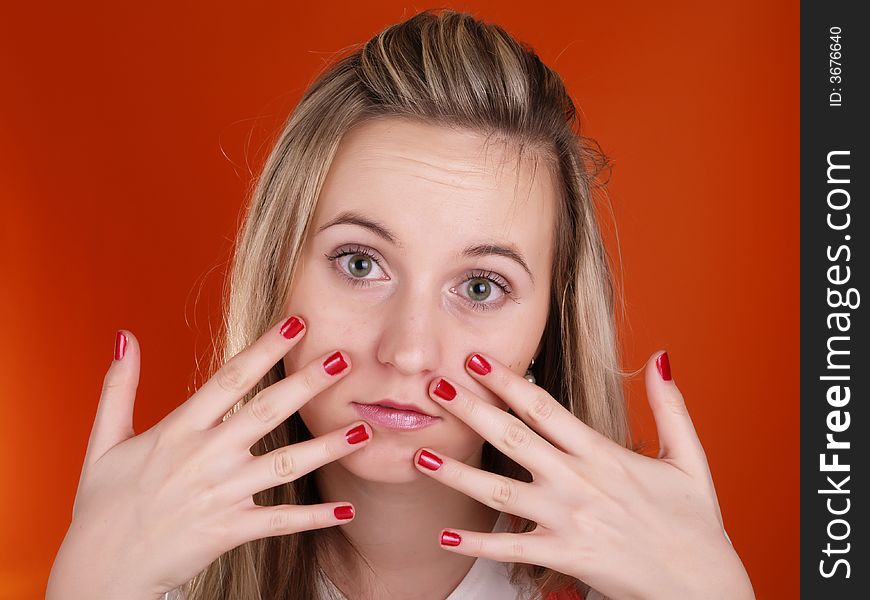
[448, 68]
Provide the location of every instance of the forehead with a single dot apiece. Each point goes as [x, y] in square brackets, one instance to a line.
[430, 182]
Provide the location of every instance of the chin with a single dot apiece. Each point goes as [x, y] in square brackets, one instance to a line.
[391, 459]
[383, 463]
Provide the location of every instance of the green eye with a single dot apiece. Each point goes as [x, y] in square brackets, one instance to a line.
[359, 265]
[479, 289]
[480, 286]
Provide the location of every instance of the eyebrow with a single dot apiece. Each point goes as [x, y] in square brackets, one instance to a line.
[475, 250]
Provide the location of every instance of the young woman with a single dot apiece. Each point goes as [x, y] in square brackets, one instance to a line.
[419, 395]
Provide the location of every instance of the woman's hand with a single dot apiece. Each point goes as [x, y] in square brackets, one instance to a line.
[630, 526]
[155, 509]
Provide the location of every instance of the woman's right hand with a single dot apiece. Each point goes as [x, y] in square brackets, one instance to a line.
[155, 509]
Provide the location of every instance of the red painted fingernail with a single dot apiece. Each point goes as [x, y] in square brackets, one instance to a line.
[356, 435]
[291, 327]
[445, 390]
[664, 366]
[479, 365]
[343, 512]
[335, 364]
[120, 345]
[450, 538]
[429, 460]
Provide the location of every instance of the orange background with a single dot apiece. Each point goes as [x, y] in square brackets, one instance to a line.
[128, 136]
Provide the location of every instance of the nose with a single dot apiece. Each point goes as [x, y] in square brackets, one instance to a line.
[412, 331]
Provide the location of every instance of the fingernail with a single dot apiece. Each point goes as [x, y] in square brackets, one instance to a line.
[664, 366]
[291, 327]
[356, 435]
[429, 460]
[479, 365]
[343, 512]
[444, 390]
[334, 364]
[120, 345]
[450, 538]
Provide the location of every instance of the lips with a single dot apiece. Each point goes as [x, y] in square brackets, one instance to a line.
[400, 406]
[394, 415]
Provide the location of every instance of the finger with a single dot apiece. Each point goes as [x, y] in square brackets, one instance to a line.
[272, 405]
[259, 522]
[113, 422]
[534, 405]
[292, 462]
[678, 440]
[496, 491]
[207, 407]
[528, 547]
[504, 431]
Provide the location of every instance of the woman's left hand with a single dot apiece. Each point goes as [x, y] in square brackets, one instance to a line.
[630, 526]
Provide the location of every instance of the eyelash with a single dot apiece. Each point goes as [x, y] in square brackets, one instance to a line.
[488, 275]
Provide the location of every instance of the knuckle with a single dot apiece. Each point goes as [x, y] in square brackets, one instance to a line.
[280, 520]
[471, 408]
[327, 450]
[479, 544]
[221, 529]
[579, 517]
[112, 382]
[231, 378]
[165, 436]
[205, 502]
[516, 551]
[261, 408]
[598, 446]
[676, 404]
[284, 464]
[506, 381]
[504, 492]
[308, 382]
[541, 408]
[314, 519]
[517, 436]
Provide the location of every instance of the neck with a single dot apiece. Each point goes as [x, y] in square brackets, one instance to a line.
[396, 528]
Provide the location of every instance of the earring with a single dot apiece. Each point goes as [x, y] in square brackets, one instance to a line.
[530, 377]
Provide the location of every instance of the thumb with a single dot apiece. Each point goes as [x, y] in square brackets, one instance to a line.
[113, 423]
[678, 440]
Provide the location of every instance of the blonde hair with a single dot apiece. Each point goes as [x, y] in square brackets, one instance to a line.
[446, 68]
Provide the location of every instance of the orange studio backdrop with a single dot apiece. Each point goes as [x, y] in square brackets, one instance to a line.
[129, 134]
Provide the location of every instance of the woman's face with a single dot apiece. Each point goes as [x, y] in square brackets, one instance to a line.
[429, 292]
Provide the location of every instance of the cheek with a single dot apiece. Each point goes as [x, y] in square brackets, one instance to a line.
[326, 310]
[327, 327]
[330, 409]
[311, 417]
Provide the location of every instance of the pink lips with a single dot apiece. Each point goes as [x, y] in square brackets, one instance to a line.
[394, 418]
[398, 405]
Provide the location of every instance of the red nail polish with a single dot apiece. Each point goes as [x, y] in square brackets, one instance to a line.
[445, 390]
[356, 435]
[120, 345]
[334, 364]
[450, 538]
[664, 366]
[343, 512]
[479, 365]
[429, 460]
[291, 327]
